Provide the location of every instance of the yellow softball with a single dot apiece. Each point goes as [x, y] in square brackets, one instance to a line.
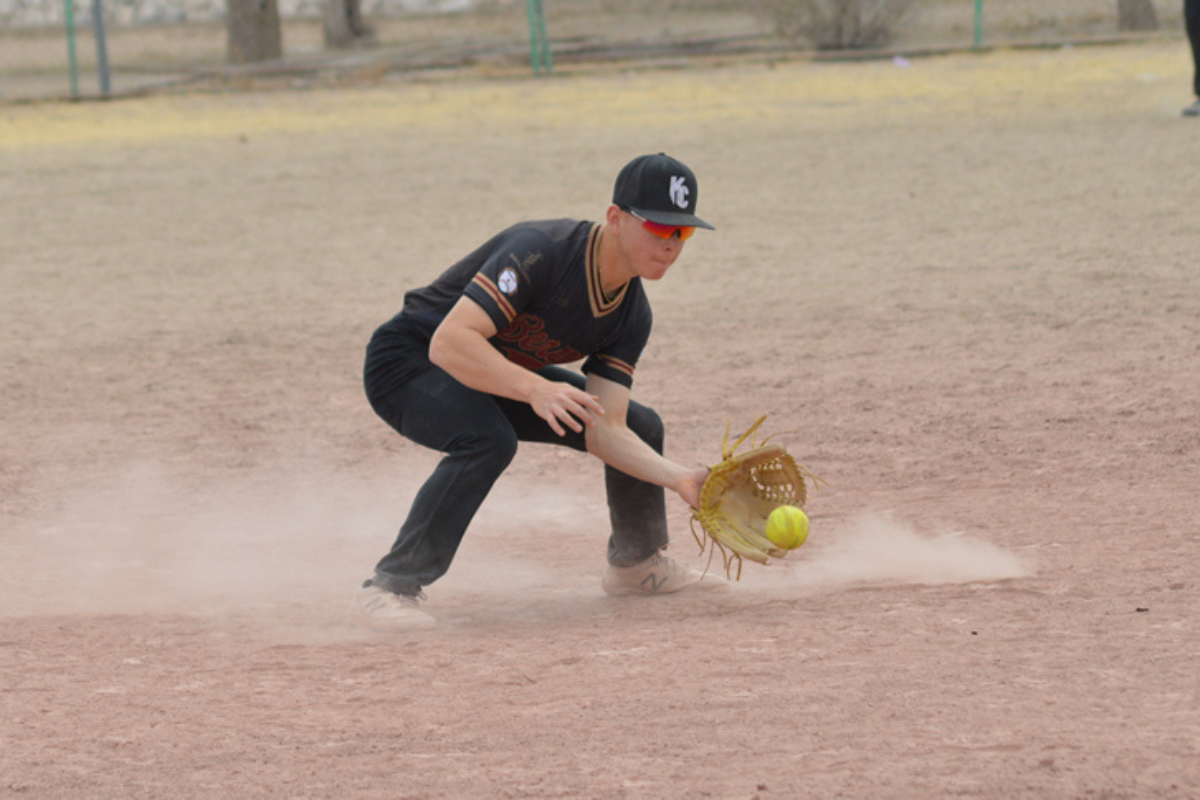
[787, 527]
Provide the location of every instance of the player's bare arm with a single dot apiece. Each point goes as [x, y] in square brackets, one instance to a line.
[460, 346]
[615, 444]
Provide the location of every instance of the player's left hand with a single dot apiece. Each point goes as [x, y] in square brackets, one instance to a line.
[689, 487]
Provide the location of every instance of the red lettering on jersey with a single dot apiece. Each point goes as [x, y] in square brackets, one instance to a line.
[531, 347]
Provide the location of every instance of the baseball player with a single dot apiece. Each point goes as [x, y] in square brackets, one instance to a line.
[469, 368]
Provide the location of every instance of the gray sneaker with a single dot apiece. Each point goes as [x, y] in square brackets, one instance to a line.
[393, 611]
[1193, 110]
[659, 574]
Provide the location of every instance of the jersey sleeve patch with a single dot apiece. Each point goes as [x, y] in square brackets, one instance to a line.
[495, 292]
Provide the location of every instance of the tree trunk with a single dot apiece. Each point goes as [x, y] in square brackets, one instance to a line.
[254, 31]
[344, 25]
[1136, 15]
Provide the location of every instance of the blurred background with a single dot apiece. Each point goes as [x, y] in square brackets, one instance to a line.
[61, 49]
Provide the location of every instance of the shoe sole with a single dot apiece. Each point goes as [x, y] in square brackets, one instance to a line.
[417, 621]
[640, 591]
[395, 625]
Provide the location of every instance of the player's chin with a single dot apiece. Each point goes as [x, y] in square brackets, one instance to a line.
[656, 271]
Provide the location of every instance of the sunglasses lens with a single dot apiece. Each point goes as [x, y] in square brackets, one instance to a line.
[667, 231]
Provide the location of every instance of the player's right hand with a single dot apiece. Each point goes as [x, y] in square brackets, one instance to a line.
[561, 404]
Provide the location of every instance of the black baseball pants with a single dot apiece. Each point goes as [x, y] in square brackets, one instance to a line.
[479, 434]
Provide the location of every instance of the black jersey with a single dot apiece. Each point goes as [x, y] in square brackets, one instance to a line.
[540, 284]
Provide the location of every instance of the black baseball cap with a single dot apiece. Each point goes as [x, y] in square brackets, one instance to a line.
[660, 189]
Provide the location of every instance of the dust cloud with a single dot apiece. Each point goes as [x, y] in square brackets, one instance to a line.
[145, 540]
[288, 541]
[294, 544]
[876, 549]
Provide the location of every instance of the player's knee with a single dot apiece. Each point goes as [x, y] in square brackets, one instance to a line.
[493, 449]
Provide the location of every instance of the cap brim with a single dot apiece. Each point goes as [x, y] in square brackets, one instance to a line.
[670, 218]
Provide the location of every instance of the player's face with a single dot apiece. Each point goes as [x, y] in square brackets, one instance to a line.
[650, 254]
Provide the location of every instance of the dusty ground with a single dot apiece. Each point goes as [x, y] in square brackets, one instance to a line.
[970, 283]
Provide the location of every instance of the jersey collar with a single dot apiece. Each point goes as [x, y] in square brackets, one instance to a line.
[600, 302]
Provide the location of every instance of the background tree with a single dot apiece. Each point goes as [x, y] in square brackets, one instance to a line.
[838, 24]
[344, 25]
[254, 31]
[1136, 15]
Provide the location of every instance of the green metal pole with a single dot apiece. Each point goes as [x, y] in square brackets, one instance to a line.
[539, 41]
[72, 60]
[978, 22]
[547, 57]
[101, 47]
[533, 43]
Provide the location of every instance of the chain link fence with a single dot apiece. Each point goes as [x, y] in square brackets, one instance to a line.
[169, 45]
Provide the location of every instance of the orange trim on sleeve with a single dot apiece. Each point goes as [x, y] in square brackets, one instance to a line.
[493, 291]
[617, 364]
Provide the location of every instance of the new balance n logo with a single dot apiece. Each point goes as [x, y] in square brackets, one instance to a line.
[655, 582]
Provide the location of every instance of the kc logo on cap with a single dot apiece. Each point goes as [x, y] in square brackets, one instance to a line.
[679, 191]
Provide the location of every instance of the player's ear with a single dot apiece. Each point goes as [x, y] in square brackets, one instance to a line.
[612, 217]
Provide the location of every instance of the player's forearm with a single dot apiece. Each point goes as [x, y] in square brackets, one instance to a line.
[620, 448]
[472, 361]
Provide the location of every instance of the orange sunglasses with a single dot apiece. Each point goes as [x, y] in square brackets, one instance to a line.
[666, 231]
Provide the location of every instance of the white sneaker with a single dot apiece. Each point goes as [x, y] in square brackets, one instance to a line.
[393, 611]
[659, 574]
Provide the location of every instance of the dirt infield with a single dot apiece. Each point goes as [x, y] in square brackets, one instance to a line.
[970, 284]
